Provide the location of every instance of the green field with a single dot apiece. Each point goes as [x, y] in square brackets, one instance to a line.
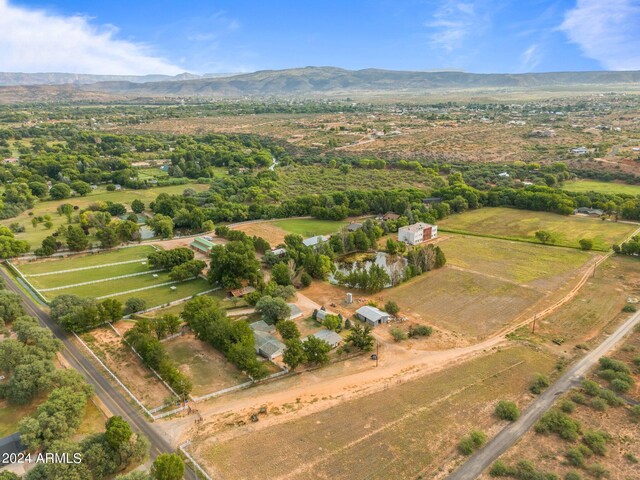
[110, 287]
[522, 224]
[519, 262]
[310, 227]
[35, 235]
[89, 260]
[164, 295]
[70, 278]
[603, 187]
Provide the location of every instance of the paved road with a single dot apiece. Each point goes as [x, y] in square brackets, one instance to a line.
[512, 433]
[111, 397]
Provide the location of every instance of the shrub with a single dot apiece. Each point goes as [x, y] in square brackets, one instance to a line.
[591, 388]
[629, 308]
[420, 331]
[573, 476]
[499, 469]
[635, 414]
[391, 308]
[567, 406]
[472, 442]
[579, 398]
[506, 410]
[586, 244]
[540, 382]
[398, 334]
[620, 385]
[596, 441]
[598, 404]
[610, 363]
[305, 279]
[599, 471]
[575, 456]
[554, 421]
[631, 458]
[611, 398]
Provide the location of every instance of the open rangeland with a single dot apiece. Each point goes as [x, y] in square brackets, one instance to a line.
[538, 266]
[208, 369]
[522, 225]
[127, 366]
[35, 235]
[619, 462]
[598, 304]
[394, 423]
[604, 187]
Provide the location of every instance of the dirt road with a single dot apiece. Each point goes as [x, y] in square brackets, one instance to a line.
[510, 435]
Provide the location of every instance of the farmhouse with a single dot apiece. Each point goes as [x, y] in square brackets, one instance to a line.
[372, 315]
[329, 336]
[202, 244]
[388, 216]
[10, 160]
[592, 212]
[352, 227]
[267, 345]
[262, 326]
[417, 233]
[316, 241]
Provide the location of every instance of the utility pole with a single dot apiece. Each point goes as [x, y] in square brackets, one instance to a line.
[533, 330]
[377, 352]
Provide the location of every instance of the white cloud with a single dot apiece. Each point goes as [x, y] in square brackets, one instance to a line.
[453, 22]
[606, 31]
[40, 41]
[531, 57]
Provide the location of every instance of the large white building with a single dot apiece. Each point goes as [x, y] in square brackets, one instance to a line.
[417, 233]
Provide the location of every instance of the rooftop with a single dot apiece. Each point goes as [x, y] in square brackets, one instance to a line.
[416, 227]
[371, 313]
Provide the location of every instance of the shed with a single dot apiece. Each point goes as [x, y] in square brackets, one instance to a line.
[10, 444]
[241, 292]
[202, 245]
[352, 227]
[279, 252]
[372, 315]
[295, 311]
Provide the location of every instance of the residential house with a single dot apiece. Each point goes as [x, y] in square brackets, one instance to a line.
[329, 336]
[262, 326]
[352, 227]
[592, 212]
[315, 242]
[388, 216]
[267, 346]
[417, 233]
[372, 316]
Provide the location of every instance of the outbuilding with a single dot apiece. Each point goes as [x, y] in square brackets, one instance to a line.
[329, 336]
[372, 316]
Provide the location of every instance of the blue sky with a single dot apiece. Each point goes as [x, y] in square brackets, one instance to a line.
[484, 36]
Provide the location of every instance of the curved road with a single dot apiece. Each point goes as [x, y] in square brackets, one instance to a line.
[109, 396]
[512, 433]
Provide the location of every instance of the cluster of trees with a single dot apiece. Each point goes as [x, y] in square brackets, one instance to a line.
[209, 322]
[361, 240]
[372, 279]
[632, 247]
[233, 263]
[27, 361]
[9, 245]
[102, 454]
[78, 314]
[145, 338]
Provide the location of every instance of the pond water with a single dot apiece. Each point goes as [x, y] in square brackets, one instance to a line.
[394, 265]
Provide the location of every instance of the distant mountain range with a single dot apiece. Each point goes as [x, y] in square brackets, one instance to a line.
[310, 81]
[22, 79]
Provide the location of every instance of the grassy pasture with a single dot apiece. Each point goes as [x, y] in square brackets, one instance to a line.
[69, 278]
[519, 262]
[207, 367]
[382, 435]
[468, 303]
[308, 227]
[114, 286]
[89, 260]
[164, 295]
[522, 225]
[598, 186]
